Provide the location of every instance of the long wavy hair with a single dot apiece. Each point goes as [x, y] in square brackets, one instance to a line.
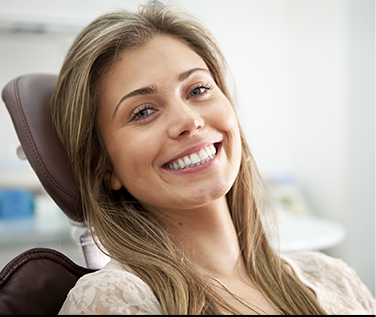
[126, 231]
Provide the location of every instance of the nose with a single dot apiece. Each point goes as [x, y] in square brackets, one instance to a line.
[185, 121]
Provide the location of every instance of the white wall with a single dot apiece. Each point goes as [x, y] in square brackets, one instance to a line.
[305, 73]
[360, 135]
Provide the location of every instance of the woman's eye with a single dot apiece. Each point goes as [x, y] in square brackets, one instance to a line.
[142, 113]
[199, 91]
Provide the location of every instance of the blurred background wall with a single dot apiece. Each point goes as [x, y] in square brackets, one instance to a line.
[305, 76]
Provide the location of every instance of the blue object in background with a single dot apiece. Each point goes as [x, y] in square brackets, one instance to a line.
[16, 204]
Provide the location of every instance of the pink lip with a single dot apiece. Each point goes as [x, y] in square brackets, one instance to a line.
[189, 151]
[194, 169]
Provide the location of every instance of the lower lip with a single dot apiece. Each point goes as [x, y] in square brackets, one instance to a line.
[200, 167]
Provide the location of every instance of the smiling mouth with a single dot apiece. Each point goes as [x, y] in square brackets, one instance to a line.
[198, 158]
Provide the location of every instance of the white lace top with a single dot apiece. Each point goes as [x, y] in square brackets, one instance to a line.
[114, 290]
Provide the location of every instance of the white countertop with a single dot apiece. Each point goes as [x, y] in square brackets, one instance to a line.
[309, 233]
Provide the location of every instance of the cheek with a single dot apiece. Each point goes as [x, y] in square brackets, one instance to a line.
[132, 159]
[231, 128]
[229, 124]
[225, 114]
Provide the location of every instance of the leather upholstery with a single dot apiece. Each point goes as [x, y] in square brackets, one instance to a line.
[36, 282]
[27, 99]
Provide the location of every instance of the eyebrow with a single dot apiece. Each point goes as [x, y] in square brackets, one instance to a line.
[152, 89]
[137, 92]
[183, 76]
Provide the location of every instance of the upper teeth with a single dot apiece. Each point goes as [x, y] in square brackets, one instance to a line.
[203, 156]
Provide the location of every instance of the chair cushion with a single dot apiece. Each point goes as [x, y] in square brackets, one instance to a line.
[37, 281]
[27, 99]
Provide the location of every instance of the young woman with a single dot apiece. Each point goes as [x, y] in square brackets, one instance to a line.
[169, 186]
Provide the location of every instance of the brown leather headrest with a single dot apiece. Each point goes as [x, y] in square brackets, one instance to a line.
[27, 99]
[37, 282]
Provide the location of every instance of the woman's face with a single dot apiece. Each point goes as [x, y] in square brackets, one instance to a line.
[161, 116]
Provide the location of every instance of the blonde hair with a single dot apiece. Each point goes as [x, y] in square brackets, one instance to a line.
[128, 232]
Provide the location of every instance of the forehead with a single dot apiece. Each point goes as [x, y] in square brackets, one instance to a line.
[158, 59]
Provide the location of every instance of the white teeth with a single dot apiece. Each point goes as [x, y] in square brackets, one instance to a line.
[213, 149]
[195, 159]
[203, 155]
[181, 163]
[208, 151]
[187, 161]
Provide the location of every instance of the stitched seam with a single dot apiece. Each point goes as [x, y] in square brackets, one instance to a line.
[33, 147]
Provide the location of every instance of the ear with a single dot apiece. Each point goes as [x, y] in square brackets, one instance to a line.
[114, 180]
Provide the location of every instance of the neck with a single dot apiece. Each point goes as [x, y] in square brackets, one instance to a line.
[208, 238]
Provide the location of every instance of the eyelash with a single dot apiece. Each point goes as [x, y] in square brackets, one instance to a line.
[207, 87]
[137, 115]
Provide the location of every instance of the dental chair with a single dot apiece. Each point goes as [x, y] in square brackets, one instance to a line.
[38, 280]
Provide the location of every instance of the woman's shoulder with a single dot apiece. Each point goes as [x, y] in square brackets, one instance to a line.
[337, 286]
[313, 260]
[111, 290]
